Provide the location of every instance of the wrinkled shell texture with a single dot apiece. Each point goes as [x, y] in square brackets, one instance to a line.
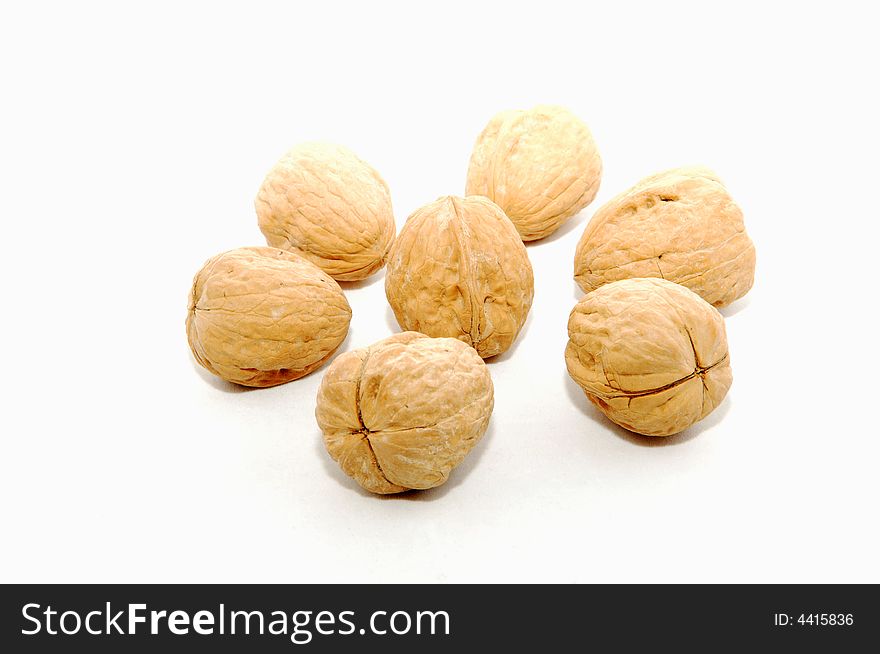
[650, 354]
[681, 225]
[459, 269]
[402, 413]
[541, 166]
[322, 202]
[261, 316]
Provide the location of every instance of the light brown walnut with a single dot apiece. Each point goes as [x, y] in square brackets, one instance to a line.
[459, 269]
[650, 354]
[260, 316]
[324, 203]
[402, 413]
[541, 166]
[681, 225]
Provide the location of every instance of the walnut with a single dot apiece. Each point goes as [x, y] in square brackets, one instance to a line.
[459, 269]
[681, 225]
[261, 316]
[650, 354]
[402, 413]
[540, 166]
[323, 203]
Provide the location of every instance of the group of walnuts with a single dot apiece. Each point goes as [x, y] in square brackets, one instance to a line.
[646, 343]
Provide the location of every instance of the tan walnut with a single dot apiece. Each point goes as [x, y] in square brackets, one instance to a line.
[541, 166]
[681, 225]
[650, 354]
[402, 413]
[459, 269]
[260, 316]
[327, 205]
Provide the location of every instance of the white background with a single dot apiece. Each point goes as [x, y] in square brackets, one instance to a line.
[132, 144]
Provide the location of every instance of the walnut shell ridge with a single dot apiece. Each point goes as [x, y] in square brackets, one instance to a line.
[324, 203]
[403, 412]
[260, 316]
[650, 354]
[459, 269]
[541, 166]
[681, 225]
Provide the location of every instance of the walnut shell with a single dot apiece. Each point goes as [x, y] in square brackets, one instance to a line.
[459, 269]
[681, 225]
[541, 166]
[650, 354]
[325, 204]
[402, 413]
[260, 316]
